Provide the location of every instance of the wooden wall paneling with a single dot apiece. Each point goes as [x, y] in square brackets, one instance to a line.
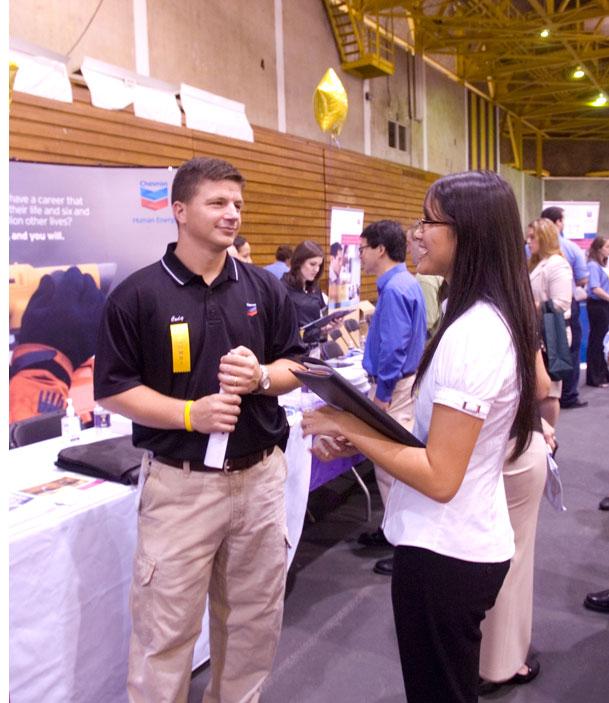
[284, 195]
[292, 182]
[382, 189]
[77, 133]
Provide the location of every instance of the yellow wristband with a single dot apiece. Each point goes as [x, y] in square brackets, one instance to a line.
[187, 422]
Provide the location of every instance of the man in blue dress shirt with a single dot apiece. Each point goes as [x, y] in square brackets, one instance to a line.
[575, 256]
[395, 341]
[281, 264]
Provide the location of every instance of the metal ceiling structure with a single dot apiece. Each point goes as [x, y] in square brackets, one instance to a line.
[520, 54]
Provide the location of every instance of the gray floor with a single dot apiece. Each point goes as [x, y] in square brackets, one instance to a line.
[338, 644]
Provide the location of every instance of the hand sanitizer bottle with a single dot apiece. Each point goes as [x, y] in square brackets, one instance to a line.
[70, 424]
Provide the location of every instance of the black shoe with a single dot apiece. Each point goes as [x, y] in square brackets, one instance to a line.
[574, 404]
[373, 539]
[598, 601]
[533, 666]
[486, 687]
[384, 567]
[604, 504]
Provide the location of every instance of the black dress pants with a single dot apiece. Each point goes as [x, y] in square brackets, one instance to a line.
[598, 314]
[570, 393]
[438, 604]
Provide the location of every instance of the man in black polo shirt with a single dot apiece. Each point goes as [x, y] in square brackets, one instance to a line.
[196, 344]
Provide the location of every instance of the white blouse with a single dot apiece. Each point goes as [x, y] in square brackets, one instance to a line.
[474, 372]
[552, 279]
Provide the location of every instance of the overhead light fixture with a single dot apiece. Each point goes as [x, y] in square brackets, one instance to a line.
[578, 73]
[544, 34]
[600, 101]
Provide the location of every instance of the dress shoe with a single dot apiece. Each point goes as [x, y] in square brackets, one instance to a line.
[575, 404]
[373, 539]
[384, 567]
[533, 666]
[598, 601]
[604, 504]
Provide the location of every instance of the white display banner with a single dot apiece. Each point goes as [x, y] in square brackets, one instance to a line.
[580, 219]
[344, 270]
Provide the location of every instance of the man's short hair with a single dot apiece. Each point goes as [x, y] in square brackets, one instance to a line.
[284, 252]
[192, 173]
[553, 213]
[390, 234]
[335, 247]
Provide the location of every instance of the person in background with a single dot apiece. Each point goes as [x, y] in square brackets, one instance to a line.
[507, 628]
[446, 512]
[336, 262]
[395, 341]
[550, 276]
[281, 265]
[243, 251]
[335, 293]
[433, 287]
[196, 344]
[597, 373]
[302, 284]
[569, 397]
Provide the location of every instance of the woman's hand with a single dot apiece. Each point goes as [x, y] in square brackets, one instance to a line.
[548, 434]
[324, 421]
[328, 448]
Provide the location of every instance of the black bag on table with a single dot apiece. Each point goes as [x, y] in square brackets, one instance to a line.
[556, 351]
[114, 459]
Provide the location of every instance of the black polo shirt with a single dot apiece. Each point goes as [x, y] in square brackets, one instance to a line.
[245, 305]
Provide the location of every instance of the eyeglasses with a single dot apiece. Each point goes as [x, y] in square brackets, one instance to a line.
[419, 224]
[365, 246]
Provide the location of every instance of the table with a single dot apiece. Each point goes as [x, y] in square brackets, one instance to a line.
[70, 572]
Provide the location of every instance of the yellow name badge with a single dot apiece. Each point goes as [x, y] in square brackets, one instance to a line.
[180, 347]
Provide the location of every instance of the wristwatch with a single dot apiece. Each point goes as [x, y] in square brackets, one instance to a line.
[265, 379]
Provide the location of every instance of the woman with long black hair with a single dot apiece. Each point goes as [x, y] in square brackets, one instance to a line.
[447, 512]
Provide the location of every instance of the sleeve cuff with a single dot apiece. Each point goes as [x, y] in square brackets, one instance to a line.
[384, 390]
[458, 400]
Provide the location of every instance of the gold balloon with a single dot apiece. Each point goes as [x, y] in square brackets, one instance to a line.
[330, 103]
[12, 72]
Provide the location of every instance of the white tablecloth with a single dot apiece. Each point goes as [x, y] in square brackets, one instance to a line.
[70, 562]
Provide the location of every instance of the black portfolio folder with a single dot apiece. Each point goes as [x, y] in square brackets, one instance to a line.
[114, 459]
[329, 385]
[327, 319]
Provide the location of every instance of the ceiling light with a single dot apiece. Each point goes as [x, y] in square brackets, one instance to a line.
[578, 73]
[599, 101]
[544, 34]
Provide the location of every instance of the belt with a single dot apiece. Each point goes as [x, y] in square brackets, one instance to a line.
[238, 464]
[372, 379]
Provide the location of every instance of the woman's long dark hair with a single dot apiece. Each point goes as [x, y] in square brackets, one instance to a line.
[305, 250]
[594, 252]
[490, 266]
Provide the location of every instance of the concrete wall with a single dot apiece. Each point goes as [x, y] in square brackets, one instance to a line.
[446, 121]
[218, 47]
[228, 47]
[528, 191]
[582, 189]
[57, 24]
